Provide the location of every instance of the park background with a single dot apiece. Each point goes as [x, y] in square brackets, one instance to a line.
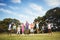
[20, 11]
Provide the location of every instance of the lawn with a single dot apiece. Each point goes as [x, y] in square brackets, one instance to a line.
[44, 36]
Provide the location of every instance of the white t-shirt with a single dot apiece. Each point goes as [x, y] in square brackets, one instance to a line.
[14, 27]
[18, 28]
[49, 26]
[37, 25]
[42, 27]
[29, 27]
[9, 27]
[31, 30]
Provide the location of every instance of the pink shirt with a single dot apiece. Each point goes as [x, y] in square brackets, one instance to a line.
[22, 27]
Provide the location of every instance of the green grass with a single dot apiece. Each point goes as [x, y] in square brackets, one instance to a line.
[45, 36]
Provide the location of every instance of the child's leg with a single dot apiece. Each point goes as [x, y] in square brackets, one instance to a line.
[17, 32]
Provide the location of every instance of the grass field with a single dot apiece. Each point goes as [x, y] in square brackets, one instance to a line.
[45, 36]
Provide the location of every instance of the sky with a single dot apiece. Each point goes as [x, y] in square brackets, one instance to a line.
[26, 10]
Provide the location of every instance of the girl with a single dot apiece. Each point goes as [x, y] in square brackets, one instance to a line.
[22, 28]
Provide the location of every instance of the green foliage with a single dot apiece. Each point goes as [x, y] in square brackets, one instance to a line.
[55, 12]
[52, 15]
[5, 22]
[39, 19]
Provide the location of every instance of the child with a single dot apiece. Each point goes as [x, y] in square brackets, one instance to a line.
[37, 26]
[42, 29]
[22, 28]
[49, 28]
[14, 28]
[9, 29]
[18, 29]
[31, 26]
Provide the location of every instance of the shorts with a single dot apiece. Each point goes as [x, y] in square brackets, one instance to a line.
[49, 30]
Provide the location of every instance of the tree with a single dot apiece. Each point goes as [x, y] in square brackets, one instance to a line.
[5, 22]
[53, 16]
[53, 13]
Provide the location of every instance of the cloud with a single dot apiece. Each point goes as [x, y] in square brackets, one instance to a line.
[33, 11]
[13, 8]
[36, 7]
[53, 3]
[28, 13]
[16, 1]
[18, 16]
[11, 12]
[2, 4]
[36, 10]
[6, 11]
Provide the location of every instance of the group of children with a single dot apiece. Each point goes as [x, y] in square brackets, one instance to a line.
[24, 27]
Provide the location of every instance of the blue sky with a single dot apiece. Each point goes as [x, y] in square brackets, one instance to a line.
[26, 10]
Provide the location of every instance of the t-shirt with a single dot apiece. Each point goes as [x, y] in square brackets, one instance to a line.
[29, 27]
[14, 27]
[37, 25]
[18, 28]
[42, 27]
[31, 30]
[9, 27]
[22, 27]
[49, 26]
